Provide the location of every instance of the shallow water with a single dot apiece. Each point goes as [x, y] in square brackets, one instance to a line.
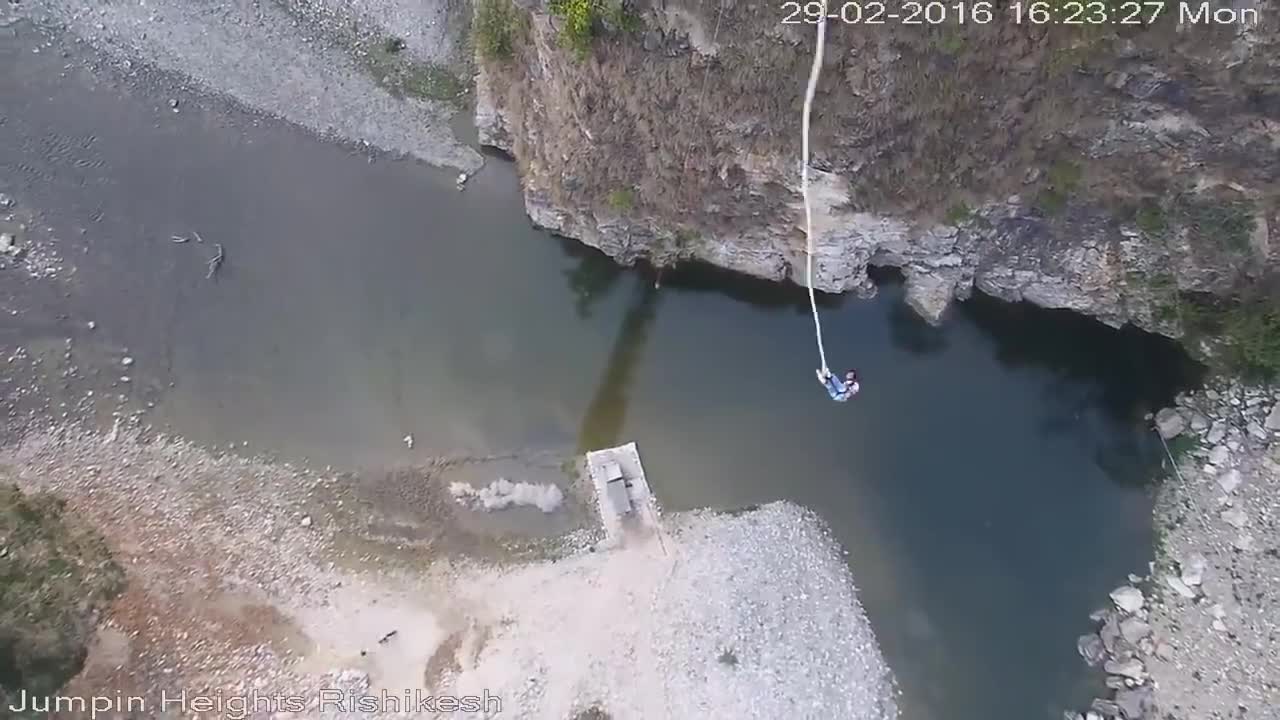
[986, 482]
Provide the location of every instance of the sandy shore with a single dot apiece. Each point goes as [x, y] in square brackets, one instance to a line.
[283, 60]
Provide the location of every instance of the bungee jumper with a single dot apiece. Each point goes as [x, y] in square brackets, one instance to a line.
[840, 390]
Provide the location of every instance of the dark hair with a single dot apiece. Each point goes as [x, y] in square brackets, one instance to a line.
[852, 372]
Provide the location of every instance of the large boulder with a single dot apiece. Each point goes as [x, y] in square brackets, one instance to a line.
[1127, 598]
[1170, 423]
[1091, 649]
[1134, 703]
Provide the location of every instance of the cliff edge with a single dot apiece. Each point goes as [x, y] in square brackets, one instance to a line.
[1129, 172]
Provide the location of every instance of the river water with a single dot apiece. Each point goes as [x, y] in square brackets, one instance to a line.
[987, 484]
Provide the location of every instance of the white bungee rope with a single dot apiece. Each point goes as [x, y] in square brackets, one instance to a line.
[804, 182]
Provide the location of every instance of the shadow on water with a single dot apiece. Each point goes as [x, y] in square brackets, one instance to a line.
[605, 416]
[1137, 374]
[591, 277]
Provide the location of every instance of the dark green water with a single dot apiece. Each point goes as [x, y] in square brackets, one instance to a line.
[987, 483]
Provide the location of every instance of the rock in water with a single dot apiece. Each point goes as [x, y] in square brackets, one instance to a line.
[1106, 708]
[1110, 634]
[1091, 649]
[1127, 598]
[1133, 630]
[1170, 423]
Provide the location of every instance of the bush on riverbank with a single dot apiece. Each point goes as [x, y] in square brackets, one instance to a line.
[53, 576]
[1246, 332]
[497, 27]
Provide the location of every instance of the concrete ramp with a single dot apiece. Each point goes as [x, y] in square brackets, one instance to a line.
[622, 492]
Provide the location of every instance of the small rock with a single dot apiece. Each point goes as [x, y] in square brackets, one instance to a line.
[1273, 418]
[1132, 629]
[1131, 668]
[173, 103]
[1170, 423]
[92, 325]
[1217, 611]
[127, 361]
[1219, 626]
[306, 521]
[1091, 649]
[1110, 634]
[1164, 651]
[1219, 455]
[1199, 422]
[1212, 395]
[8, 244]
[1235, 517]
[1127, 598]
[125, 378]
[1180, 587]
[1193, 569]
[5, 201]
[408, 441]
[462, 178]
[1091, 715]
[1216, 433]
[1115, 682]
[1106, 707]
[1134, 703]
[1243, 543]
[1229, 481]
[1256, 431]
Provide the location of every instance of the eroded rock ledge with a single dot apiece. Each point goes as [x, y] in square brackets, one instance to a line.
[1107, 175]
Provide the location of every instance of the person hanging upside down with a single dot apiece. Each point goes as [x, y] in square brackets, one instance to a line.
[839, 391]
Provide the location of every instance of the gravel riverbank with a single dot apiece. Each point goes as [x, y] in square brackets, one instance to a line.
[284, 60]
[244, 575]
[1200, 637]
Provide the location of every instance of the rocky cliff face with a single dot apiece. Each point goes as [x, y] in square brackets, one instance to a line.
[1111, 170]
